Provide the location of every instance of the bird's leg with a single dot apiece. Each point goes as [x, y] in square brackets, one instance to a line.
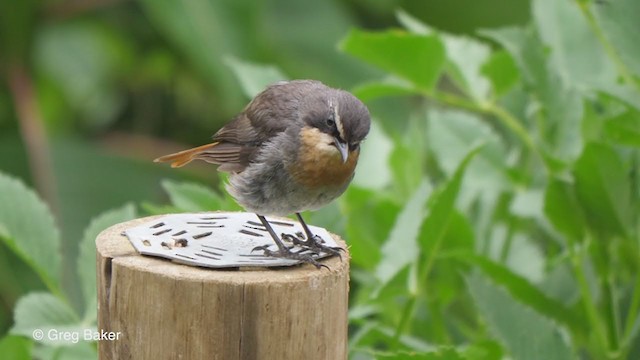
[314, 242]
[283, 251]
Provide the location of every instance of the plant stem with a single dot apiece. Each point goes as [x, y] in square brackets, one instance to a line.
[512, 123]
[589, 304]
[508, 241]
[33, 134]
[423, 274]
[612, 315]
[407, 314]
[608, 47]
[489, 108]
[632, 315]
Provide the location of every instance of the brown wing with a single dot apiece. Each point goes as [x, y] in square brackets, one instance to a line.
[269, 113]
[237, 143]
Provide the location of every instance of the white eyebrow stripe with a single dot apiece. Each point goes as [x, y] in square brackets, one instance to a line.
[338, 120]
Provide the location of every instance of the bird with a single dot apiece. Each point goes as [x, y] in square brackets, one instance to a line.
[293, 148]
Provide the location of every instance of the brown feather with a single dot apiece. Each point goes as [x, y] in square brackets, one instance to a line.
[185, 156]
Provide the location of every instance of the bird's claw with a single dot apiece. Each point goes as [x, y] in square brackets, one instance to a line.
[266, 248]
[314, 245]
[288, 254]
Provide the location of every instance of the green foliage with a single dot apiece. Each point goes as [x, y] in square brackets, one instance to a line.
[43, 311]
[194, 197]
[416, 58]
[550, 200]
[27, 227]
[494, 213]
[37, 243]
[86, 263]
[17, 346]
[253, 78]
[603, 190]
[525, 333]
[401, 249]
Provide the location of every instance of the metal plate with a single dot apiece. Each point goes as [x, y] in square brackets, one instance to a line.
[216, 240]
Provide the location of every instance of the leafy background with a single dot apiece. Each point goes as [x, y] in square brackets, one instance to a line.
[495, 212]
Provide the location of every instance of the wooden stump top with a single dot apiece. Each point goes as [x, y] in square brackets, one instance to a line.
[112, 244]
[169, 310]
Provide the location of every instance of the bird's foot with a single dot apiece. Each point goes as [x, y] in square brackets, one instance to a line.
[313, 244]
[287, 253]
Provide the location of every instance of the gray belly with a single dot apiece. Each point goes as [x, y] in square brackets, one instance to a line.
[268, 190]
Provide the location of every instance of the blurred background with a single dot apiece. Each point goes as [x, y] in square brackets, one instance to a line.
[91, 91]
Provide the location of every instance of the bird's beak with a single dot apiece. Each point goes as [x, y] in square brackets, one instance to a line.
[342, 147]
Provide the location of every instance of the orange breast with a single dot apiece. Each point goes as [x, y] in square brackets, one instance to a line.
[319, 163]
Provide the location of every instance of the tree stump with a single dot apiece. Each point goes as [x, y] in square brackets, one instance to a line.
[165, 310]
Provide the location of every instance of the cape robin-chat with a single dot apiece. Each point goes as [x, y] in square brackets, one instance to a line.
[293, 148]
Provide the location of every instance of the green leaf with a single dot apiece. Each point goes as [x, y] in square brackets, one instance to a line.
[562, 103]
[575, 54]
[486, 350]
[86, 263]
[388, 87]
[527, 334]
[460, 234]
[405, 164]
[526, 50]
[501, 70]
[370, 220]
[563, 209]
[401, 247]
[619, 21]
[436, 224]
[603, 189]
[390, 297]
[28, 229]
[525, 292]
[624, 129]
[527, 203]
[441, 211]
[452, 134]
[15, 348]
[525, 258]
[442, 353]
[625, 93]
[373, 169]
[80, 351]
[465, 56]
[447, 286]
[416, 58]
[560, 284]
[254, 77]
[407, 159]
[45, 312]
[194, 197]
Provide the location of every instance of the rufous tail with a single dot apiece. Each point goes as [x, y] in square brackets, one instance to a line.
[185, 156]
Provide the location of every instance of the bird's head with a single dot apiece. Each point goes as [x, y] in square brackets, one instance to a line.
[339, 121]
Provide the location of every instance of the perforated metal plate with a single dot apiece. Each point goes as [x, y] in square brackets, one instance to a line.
[217, 240]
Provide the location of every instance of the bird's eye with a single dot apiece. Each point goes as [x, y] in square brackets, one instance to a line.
[330, 122]
[354, 146]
